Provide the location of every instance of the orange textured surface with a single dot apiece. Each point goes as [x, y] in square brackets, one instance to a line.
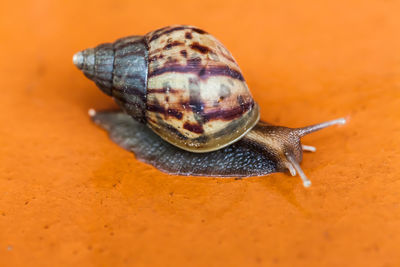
[70, 196]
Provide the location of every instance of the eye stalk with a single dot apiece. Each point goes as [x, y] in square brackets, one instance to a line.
[316, 127]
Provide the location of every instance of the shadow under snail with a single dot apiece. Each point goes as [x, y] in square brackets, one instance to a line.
[181, 84]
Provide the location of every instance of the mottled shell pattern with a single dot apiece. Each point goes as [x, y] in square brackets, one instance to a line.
[179, 80]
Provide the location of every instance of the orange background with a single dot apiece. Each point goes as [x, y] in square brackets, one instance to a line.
[68, 195]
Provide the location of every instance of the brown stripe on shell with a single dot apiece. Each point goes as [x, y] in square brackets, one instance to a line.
[171, 61]
[157, 35]
[156, 57]
[208, 71]
[166, 112]
[199, 31]
[163, 91]
[188, 35]
[169, 129]
[231, 127]
[201, 48]
[158, 31]
[164, 31]
[173, 130]
[170, 45]
[184, 53]
[228, 114]
[198, 107]
[193, 127]
[194, 62]
[156, 51]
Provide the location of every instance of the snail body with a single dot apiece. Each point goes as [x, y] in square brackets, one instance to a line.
[185, 86]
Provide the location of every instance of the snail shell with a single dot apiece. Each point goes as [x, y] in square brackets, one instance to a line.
[180, 81]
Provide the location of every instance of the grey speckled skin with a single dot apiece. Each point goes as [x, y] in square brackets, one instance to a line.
[241, 159]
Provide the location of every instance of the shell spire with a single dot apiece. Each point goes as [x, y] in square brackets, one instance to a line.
[119, 69]
[78, 59]
[97, 64]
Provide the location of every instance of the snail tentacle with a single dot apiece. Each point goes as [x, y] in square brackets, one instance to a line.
[296, 166]
[316, 127]
[308, 148]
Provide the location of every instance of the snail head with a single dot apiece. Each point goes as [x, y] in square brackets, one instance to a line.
[286, 145]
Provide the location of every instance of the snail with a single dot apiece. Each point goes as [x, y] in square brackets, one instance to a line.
[192, 111]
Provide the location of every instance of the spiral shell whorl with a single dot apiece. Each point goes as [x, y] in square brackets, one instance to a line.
[97, 64]
[120, 70]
